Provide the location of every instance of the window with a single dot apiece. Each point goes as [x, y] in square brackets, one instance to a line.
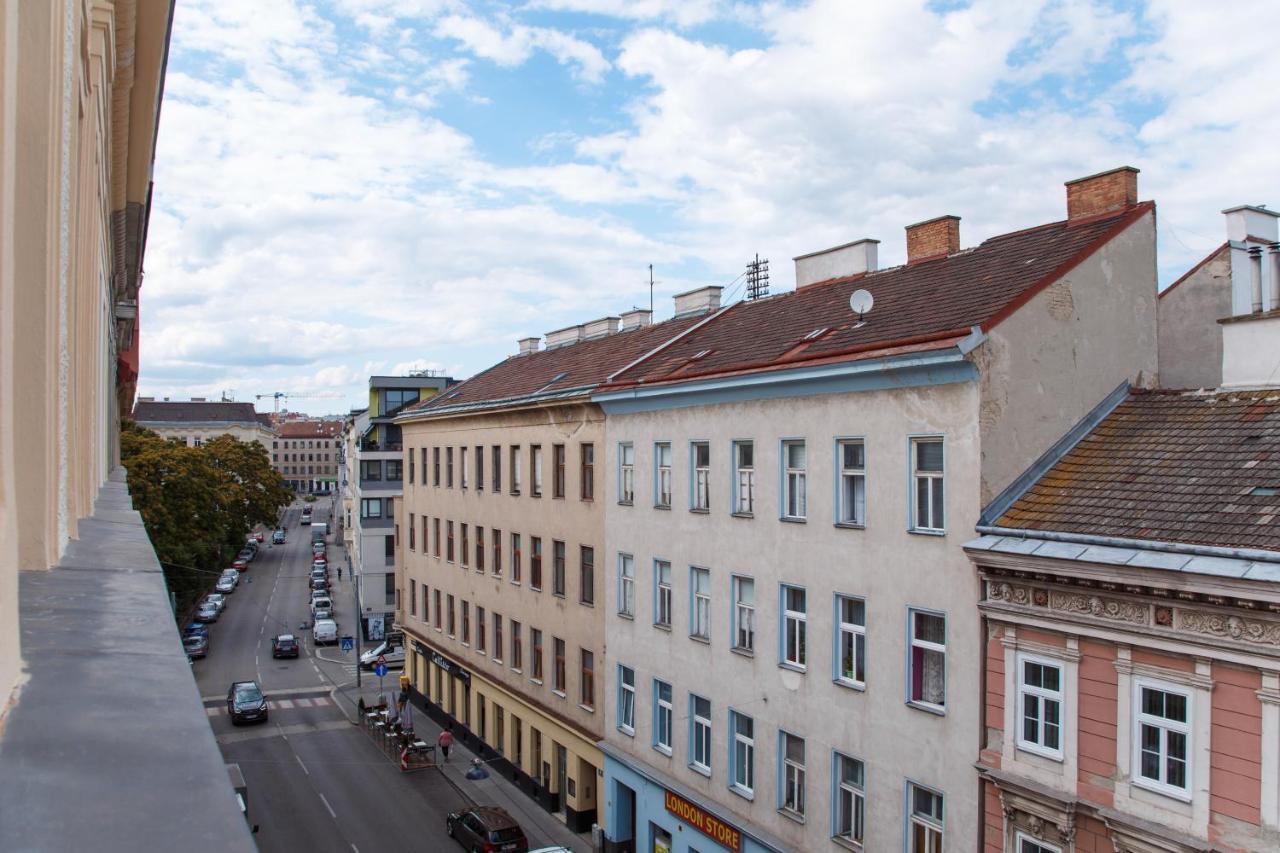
[371, 508]
[480, 629]
[435, 466]
[479, 468]
[497, 468]
[626, 699]
[466, 623]
[412, 536]
[924, 827]
[448, 467]
[452, 633]
[466, 545]
[515, 469]
[395, 399]
[558, 676]
[426, 603]
[435, 525]
[370, 470]
[744, 614]
[587, 575]
[927, 470]
[851, 641]
[462, 464]
[394, 470]
[700, 603]
[1040, 706]
[794, 504]
[535, 465]
[557, 478]
[558, 560]
[516, 558]
[662, 716]
[791, 757]
[499, 728]
[497, 637]
[535, 562]
[626, 473]
[413, 596]
[742, 754]
[413, 456]
[662, 475]
[1162, 729]
[662, 596]
[426, 536]
[535, 653]
[1025, 844]
[853, 483]
[438, 611]
[587, 456]
[928, 676]
[700, 487]
[848, 801]
[700, 738]
[587, 682]
[481, 544]
[517, 647]
[626, 585]
[794, 626]
[496, 536]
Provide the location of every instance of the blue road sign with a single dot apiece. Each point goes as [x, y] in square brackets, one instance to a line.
[348, 644]
[380, 670]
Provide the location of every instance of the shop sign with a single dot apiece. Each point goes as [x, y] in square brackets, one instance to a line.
[450, 667]
[709, 825]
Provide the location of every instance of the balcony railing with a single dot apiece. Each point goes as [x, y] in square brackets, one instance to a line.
[383, 447]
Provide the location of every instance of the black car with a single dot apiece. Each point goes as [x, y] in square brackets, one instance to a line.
[245, 703]
[284, 646]
[486, 828]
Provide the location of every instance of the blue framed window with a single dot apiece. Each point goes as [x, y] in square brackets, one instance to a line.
[662, 593]
[662, 474]
[700, 734]
[848, 798]
[699, 603]
[699, 476]
[794, 626]
[743, 615]
[795, 488]
[928, 480]
[744, 478]
[663, 718]
[626, 699]
[849, 657]
[742, 754]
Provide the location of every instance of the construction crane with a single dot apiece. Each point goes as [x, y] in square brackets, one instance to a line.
[277, 396]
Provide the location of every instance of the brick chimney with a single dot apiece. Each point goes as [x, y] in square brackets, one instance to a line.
[934, 238]
[1102, 193]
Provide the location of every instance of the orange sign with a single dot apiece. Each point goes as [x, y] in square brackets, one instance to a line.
[710, 826]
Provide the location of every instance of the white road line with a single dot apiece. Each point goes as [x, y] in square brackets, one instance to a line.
[285, 703]
[332, 813]
[355, 848]
[303, 766]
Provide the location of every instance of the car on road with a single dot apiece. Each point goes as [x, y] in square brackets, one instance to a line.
[487, 828]
[324, 631]
[320, 583]
[322, 611]
[306, 516]
[247, 555]
[284, 646]
[207, 612]
[225, 585]
[258, 536]
[196, 645]
[322, 565]
[278, 538]
[393, 653]
[319, 601]
[245, 703]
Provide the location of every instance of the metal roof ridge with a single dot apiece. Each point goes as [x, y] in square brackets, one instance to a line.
[1256, 555]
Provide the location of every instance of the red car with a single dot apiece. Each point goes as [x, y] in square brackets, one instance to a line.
[240, 566]
[259, 536]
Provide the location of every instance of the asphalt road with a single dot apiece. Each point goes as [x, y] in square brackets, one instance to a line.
[315, 782]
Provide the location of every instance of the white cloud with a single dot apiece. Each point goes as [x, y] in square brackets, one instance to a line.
[684, 13]
[517, 44]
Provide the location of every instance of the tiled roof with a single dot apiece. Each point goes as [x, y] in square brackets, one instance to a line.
[156, 411]
[926, 301]
[1169, 466]
[310, 429]
[581, 365]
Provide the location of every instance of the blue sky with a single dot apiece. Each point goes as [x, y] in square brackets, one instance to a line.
[347, 187]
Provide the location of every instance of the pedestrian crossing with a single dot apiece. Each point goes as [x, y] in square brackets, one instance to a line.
[277, 705]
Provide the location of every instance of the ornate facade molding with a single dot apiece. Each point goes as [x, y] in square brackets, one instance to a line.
[1100, 607]
[1230, 627]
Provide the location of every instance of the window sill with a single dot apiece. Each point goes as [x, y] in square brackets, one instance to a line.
[746, 653]
[846, 843]
[627, 730]
[480, 652]
[1162, 790]
[921, 531]
[557, 497]
[535, 589]
[665, 750]
[794, 667]
[626, 503]
[557, 595]
[590, 604]
[630, 617]
[850, 685]
[515, 582]
[698, 638]
[517, 670]
[791, 815]
[743, 792]
[700, 770]
[537, 681]
[587, 500]
[936, 710]
[851, 525]
[587, 708]
[742, 515]
[514, 494]
[1039, 752]
[661, 627]
[699, 511]
[791, 520]
[560, 693]
[664, 508]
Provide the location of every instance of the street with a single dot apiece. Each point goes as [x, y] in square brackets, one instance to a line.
[315, 781]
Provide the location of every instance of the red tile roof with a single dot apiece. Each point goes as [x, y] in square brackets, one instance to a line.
[928, 301]
[582, 365]
[1168, 466]
[310, 429]
[197, 411]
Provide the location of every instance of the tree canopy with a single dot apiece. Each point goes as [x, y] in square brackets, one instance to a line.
[199, 503]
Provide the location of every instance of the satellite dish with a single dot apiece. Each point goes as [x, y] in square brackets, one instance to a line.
[860, 302]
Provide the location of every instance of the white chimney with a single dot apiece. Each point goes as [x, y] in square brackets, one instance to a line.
[600, 328]
[1252, 228]
[198, 400]
[701, 300]
[635, 318]
[564, 337]
[528, 345]
[837, 262]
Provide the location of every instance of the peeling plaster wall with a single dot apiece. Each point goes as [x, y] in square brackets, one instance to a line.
[1045, 367]
[1190, 337]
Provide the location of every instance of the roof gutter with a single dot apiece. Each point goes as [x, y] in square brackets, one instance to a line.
[1254, 554]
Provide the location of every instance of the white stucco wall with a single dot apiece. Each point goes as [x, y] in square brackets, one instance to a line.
[1190, 337]
[1251, 352]
[890, 567]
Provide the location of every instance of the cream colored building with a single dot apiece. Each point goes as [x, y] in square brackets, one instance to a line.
[306, 453]
[197, 421]
[501, 543]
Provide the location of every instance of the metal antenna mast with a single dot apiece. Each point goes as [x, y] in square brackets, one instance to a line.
[757, 278]
[650, 290]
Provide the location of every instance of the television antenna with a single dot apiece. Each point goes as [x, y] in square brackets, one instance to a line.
[757, 279]
[860, 302]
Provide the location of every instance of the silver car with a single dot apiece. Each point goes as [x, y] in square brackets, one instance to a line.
[225, 585]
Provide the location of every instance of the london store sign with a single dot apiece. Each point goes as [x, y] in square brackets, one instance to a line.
[709, 825]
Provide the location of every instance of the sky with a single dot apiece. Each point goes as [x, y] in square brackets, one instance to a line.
[355, 187]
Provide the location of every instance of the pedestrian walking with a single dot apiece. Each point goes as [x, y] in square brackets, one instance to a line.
[445, 741]
[339, 572]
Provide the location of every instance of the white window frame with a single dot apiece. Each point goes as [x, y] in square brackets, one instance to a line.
[857, 634]
[930, 821]
[462, 460]
[626, 585]
[794, 622]
[1020, 838]
[662, 594]
[747, 743]
[699, 735]
[626, 700]
[857, 796]
[626, 473]
[1042, 696]
[700, 603]
[744, 483]
[1166, 726]
[662, 475]
[937, 481]
[663, 716]
[851, 477]
[927, 645]
[791, 775]
[699, 478]
[744, 614]
[795, 488]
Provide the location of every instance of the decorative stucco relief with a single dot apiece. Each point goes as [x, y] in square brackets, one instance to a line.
[1103, 608]
[1000, 591]
[1230, 627]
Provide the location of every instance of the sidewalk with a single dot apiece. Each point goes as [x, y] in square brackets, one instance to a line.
[542, 827]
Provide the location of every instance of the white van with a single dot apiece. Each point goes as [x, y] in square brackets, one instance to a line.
[392, 652]
[324, 631]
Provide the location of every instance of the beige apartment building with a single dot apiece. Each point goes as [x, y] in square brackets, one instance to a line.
[307, 453]
[197, 421]
[501, 532]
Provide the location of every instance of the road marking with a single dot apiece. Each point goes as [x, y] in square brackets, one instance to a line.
[284, 703]
[332, 813]
[212, 712]
[303, 766]
[355, 848]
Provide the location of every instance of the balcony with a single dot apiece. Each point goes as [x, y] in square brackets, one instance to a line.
[367, 446]
[377, 523]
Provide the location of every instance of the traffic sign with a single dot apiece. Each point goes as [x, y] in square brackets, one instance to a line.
[348, 644]
[382, 660]
[380, 670]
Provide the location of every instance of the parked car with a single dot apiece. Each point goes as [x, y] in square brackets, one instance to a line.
[207, 612]
[324, 611]
[225, 585]
[284, 646]
[258, 536]
[319, 601]
[486, 828]
[196, 645]
[247, 555]
[278, 538]
[392, 652]
[217, 599]
[245, 703]
[233, 574]
[324, 631]
[240, 565]
[195, 628]
[320, 583]
[322, 565]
